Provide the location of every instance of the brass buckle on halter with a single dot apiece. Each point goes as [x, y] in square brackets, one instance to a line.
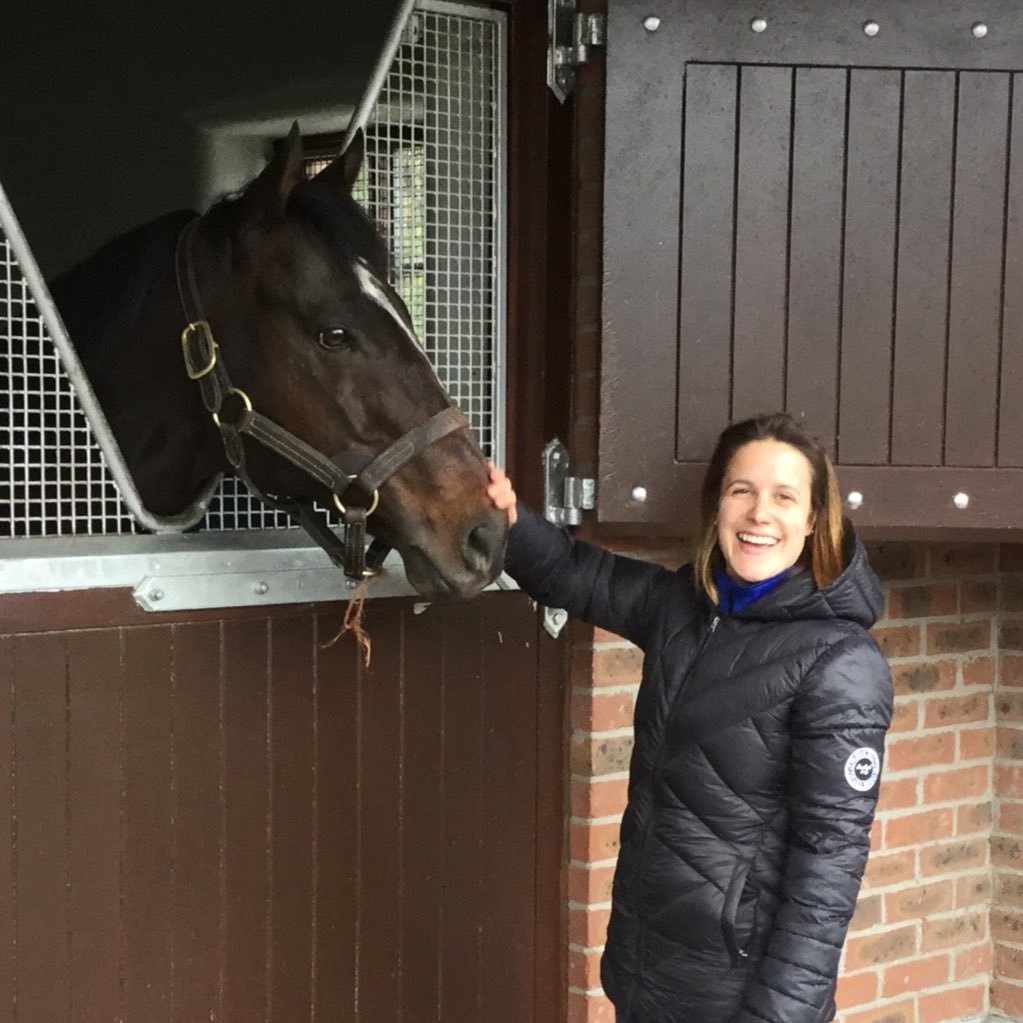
[206, 349]
[369, 511]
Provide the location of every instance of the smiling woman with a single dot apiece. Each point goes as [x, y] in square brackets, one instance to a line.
[759, 735]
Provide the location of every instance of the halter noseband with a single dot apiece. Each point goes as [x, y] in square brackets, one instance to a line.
[204, 365]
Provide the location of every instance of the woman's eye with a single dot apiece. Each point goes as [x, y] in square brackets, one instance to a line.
[333, 337]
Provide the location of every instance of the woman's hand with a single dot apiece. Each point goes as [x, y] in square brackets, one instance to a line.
[502, 493]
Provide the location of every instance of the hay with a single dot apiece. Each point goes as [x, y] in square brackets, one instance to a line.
[353, 623]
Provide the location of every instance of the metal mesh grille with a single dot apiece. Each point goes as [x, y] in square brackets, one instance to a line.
[432, 179]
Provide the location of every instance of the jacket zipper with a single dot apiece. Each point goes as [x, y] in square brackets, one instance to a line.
[655, 776]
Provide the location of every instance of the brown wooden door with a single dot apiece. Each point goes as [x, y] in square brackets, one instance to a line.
[228, 819]
[805, 213]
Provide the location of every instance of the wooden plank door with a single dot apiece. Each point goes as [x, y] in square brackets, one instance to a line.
[817, 209]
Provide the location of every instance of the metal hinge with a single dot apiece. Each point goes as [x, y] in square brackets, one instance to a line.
[565, 498]
[570, 36]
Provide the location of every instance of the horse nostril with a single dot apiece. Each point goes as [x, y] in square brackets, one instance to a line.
[481, 545]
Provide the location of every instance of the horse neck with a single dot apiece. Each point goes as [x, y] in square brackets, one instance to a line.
[131, 351]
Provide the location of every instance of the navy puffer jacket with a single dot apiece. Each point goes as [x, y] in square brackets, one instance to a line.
[758, 748]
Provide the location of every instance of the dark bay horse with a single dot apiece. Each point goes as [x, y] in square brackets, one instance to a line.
[286, 286]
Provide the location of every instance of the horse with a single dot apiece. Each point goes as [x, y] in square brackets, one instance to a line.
[262, 338]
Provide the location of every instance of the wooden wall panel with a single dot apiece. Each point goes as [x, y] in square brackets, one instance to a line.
[236, 820]
[1010, 408]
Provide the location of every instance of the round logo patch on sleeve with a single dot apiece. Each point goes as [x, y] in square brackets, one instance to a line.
[862, 768]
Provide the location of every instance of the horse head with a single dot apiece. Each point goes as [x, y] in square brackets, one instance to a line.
[291, 278]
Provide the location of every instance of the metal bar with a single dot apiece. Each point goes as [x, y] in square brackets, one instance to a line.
[83, 389]
[383, 65]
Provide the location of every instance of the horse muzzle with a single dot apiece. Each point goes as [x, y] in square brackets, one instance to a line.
[461, 568]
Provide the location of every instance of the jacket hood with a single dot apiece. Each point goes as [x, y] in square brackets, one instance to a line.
[855, 596]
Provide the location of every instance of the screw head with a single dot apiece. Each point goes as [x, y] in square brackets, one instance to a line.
[854, 499]
[638, 494]
[156, 595]
[758, 24]
[871, 28]
[652, 23]
[261, 588]
[961, 500]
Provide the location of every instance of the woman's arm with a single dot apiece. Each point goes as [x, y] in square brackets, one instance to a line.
[838, 726]
[604, 589]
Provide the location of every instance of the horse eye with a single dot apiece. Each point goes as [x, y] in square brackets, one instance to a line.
[333, 337]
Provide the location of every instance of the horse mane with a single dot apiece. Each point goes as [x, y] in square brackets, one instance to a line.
[111, 285]
[342, 223]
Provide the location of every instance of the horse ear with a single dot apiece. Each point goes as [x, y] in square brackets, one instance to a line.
[271, 189]
[342, 171]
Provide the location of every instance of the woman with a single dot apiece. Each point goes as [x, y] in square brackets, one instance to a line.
[759, 732]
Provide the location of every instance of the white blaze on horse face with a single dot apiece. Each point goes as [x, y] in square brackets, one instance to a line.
[375, 292]
[372, 289]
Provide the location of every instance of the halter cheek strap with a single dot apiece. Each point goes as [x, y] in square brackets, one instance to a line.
[205, 365]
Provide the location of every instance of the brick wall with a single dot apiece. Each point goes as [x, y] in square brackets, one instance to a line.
[938, 934]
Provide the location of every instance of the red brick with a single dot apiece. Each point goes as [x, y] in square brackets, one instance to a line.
[976, 743]
[1009, 961]
[953, 931]
[917, 902]
[1009, 743]
[1007, 997]
[977, 596]
[908, 754]
[927, 601]
[1009, 885]
[1010, 634]
[916, 975]
[923, 677]
[952, 1003]
[905, 717]
[1012, 593]
[590, 843]
[1007, 925]
[890, 1012]
[589, 884]
[867, 914]
[940, 711]
[600, 635]
[979, 671]
[973, 817]
[886, 947]
[973, 962]
[963, 855]
[1011, 670]
[1009, 706]
[1009, 780]
[958, 637]
[885, 870]
[958, 783]
[587, 927]
[962, 559]
[607, 755]
[973, 891]
[601, 797]
[897, 794]
[917, 828]
[583, 968]
[601, 712]
[1006, 851]
[898, 640]
[897, 560]
[617, 666]
[589, 1008]
[1010, 817]
[856, 989]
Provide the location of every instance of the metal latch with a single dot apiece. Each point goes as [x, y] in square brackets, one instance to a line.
[565, 499]
[570, 35]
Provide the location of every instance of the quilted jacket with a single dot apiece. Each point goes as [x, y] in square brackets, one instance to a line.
[758, 745]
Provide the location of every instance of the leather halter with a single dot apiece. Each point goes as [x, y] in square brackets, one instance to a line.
[205, 365]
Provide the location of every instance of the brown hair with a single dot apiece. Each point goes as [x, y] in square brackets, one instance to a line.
[825, 546]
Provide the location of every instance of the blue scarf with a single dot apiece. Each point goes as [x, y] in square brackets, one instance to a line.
[734, 596]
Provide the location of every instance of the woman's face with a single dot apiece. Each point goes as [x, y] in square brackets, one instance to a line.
[764, 514]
